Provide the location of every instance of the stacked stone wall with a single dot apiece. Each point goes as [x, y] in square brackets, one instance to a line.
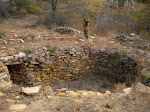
[71, 64]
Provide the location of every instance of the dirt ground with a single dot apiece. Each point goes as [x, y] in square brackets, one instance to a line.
[20, 28]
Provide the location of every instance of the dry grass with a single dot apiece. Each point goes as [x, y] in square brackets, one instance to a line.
[119, 87]
[135, 102]
[27, 26]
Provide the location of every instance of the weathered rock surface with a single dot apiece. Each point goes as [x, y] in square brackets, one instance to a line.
[5, 86]
[18, 107]
[109, 104]
[127, 90]
[16, 88]
[142, 88]
[1, 94]
[127, 37]
[90, 108]
[30, 90]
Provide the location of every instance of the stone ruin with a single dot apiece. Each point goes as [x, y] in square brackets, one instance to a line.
[67, 65]
[65, 30]
[127, 37]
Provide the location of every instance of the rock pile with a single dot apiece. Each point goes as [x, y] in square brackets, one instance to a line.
[65, 30]
[127, 37]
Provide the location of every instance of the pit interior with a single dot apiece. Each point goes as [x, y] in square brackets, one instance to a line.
[17, 73]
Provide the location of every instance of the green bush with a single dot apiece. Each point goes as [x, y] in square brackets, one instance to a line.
[2, 34]
[142, 18]
[122, 53]
[25, 6]
[28, 50]
[51, 49]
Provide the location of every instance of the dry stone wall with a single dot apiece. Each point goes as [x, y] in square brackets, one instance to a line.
[4, 73]
[69, 64]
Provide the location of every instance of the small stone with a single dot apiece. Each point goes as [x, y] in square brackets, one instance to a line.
[99, 94]
[81, 40]
[44, 48]
[49, 88]
[61, 94]
[22, 41]
[18, 107]
[90, 107]
[17, 97]
[49, 97]
[4, 59]
[127, 90]
[16, 88]
[21, 55]
[109, 104]
[30, 90]
[61, 90]
[108, 93]
[15, 35]
[12, 101]
[5, 42]
[34, 63]
[92, 37]
[132, 34]
[1, 94]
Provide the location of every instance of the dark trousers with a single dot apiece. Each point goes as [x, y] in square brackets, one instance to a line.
[86, 34]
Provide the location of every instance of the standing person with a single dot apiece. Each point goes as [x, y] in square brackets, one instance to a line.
[86, 28]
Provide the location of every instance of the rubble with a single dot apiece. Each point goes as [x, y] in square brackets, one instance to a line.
[127, 37]
[65, 30]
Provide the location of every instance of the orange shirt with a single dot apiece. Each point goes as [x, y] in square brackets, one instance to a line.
[86, 27]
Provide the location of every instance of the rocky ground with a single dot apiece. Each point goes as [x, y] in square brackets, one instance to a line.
[45, 99]
[25, 36]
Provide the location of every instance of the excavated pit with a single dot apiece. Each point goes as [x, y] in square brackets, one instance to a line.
[76, 71]
[82, 69]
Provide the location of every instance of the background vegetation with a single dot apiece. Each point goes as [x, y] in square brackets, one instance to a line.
[104, 15]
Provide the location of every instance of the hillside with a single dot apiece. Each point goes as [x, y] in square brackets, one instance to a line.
[47, 64]
[87, 94]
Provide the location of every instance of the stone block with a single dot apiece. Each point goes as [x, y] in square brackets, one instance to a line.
[30, 90]
[109, 104]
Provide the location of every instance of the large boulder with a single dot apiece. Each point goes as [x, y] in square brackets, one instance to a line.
[142, 88]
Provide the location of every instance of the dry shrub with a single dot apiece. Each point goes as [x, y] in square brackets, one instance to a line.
[54, 104]
[112, 20]
[60, 19]
[4, 9]
[141, 63]
[119, 87]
